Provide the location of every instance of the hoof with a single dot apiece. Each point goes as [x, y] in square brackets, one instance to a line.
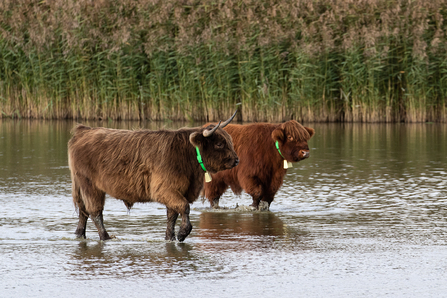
[184, 232]
[80, 233]
[244, 208]
[215, 204]
[105, 236]
[182, 236]
[253, 207]
[263, 206]
[170, 238]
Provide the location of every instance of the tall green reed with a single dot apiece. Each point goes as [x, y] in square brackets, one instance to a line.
[375, 61]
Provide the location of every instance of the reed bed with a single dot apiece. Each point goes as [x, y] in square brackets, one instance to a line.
[314, 61]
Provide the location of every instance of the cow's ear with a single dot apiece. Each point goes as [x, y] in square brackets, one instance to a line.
[196, 139]
[278, 134]
[311, 131]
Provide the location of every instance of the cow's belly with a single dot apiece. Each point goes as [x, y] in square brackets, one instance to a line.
[125, 189]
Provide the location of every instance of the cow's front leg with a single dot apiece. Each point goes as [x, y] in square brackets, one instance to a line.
[186, 226]
[172, 218]
[254, 188]
[255, 203]
[176, 204]
[266, 200]
[214, 203]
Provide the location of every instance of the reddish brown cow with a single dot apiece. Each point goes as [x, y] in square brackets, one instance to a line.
[261, 170]
[145, 166]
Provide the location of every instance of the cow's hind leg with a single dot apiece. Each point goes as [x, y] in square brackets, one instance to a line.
[83, 215]
[82, 225]
[93, 200]
[213, 191]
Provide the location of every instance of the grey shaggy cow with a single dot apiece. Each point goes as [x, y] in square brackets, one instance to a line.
[144, 166]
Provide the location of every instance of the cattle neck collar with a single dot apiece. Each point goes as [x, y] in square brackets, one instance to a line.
[277, 147]
[286, 163]
[199, 159]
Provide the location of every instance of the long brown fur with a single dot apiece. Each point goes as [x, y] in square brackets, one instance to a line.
[260, 172]
[143, 166]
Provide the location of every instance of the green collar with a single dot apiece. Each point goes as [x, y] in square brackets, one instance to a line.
[277, 147]
[199, 159]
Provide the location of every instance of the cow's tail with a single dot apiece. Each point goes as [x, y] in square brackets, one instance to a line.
[77, 199]
[75, 188]
[76, 193]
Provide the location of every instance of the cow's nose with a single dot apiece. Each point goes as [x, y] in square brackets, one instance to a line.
[236, 162]
[305, 153]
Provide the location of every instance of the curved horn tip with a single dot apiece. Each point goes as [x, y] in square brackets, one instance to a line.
[207, 133]
[229, 120]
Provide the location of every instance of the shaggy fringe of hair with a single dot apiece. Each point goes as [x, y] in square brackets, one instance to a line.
[297, 131]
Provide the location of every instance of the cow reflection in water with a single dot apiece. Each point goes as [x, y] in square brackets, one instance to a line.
[247, 232]
[99, 258]
[97, 250]
[224, 225]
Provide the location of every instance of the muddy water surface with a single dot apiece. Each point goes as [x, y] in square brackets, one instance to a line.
[364, 216]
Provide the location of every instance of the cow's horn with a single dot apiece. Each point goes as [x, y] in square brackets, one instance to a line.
[229, 120]
[207, 133]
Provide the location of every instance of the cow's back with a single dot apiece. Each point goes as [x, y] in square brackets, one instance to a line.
[252, 142]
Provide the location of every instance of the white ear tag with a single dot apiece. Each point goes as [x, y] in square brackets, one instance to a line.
[286, 165]
[207, 177]
[289, 164]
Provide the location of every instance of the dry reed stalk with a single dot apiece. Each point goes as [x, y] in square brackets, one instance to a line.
[92, 58]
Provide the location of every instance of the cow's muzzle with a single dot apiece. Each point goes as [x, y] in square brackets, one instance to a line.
[302, 154]
[236, 162]
[230, 163]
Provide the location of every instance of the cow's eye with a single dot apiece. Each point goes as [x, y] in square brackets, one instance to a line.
[219, 145]
[290, 138]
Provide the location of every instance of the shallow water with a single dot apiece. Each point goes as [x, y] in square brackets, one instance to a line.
[364, 216]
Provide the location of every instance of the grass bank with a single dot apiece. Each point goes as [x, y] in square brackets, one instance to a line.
[351, 61]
